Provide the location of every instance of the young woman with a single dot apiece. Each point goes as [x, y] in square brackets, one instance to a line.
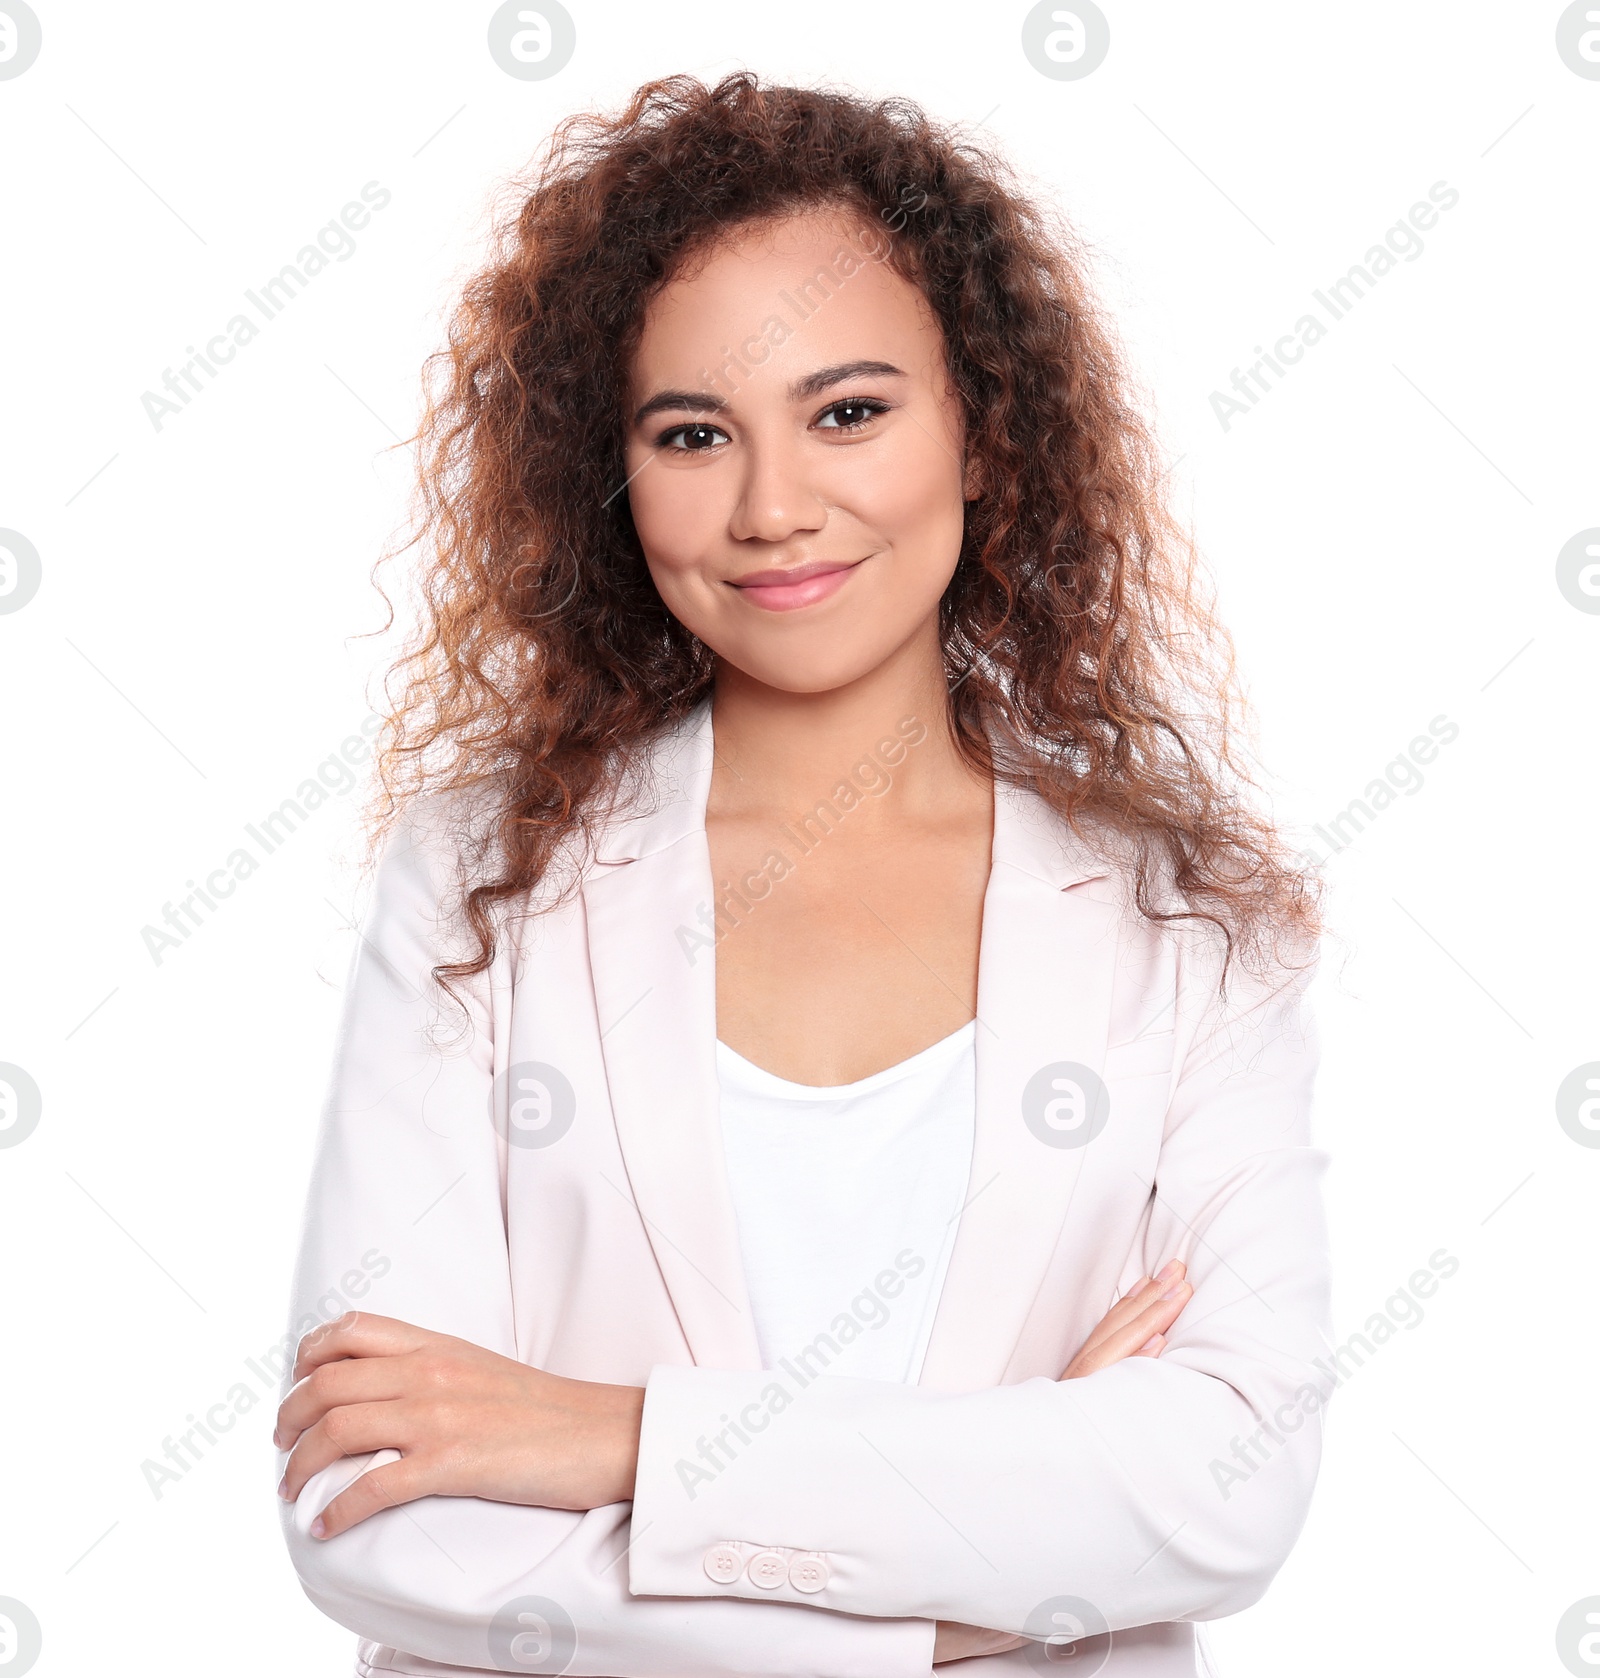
[817, 1175]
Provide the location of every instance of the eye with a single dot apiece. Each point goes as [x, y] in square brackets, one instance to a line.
[853, 413]
[696, 437]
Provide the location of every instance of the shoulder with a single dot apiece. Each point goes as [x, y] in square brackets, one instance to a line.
[437, 837]
[433, 850]
[440, 847]
[1211, 960]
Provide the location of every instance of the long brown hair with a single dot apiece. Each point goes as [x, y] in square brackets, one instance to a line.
[1073, 625]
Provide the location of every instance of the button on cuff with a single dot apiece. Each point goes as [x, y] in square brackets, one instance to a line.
[768, 1569]
[808, 1573]
[723, 1563]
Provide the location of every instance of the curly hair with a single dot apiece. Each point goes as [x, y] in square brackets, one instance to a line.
[1072, 626]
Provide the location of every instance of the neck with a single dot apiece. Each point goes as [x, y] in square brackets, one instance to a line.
[887, 734]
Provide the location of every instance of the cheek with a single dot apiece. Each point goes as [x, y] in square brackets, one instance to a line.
[914, 501]
[677, 515]
[681, 524]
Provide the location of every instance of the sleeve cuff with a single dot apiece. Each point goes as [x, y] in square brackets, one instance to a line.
[692, 1539]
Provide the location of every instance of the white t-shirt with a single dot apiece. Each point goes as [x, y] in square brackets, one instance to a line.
[847, 1198]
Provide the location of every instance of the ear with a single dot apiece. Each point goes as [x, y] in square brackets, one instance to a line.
[974, 479]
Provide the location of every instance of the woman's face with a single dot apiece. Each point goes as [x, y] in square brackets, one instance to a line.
[794, 452]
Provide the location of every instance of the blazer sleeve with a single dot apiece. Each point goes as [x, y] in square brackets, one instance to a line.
[1159, 1489]
[405, 1218]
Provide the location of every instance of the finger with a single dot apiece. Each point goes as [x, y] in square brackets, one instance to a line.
[357, 1334]
[355, 1430]
[349, 1381]
[379, 1488]
[1150, 1287]
[1159, 1315]
[1136, 1299]
[1156, 1318]
[1126, 1340]
[1133, 1300]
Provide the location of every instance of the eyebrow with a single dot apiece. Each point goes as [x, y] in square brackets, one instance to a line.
[813, 384]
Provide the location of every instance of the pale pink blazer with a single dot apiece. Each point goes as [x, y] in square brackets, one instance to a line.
[552, 1185]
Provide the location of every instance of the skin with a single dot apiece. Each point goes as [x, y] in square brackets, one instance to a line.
[841, 446]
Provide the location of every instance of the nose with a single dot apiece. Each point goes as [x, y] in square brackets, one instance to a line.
[776, 498]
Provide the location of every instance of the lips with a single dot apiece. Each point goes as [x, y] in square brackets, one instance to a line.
[779, 590]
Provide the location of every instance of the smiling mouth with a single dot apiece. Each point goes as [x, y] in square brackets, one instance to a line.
[802, 585]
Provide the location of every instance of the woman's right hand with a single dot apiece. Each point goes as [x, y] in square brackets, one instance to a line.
[1135, 1327]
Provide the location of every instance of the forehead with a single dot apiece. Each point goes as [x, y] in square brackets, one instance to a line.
[808, 289]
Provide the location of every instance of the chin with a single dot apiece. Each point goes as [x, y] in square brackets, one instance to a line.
[799, 672]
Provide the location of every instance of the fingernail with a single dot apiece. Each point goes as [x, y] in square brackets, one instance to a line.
[1168, 1271]
[277, 1439]
[317, 1527]
[1152, 1342]
[283, 1487]
[1176, 1289]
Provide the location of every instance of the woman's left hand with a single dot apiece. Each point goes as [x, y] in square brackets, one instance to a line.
[466, 1421]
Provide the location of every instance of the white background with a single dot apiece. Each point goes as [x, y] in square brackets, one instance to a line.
[1383, 527]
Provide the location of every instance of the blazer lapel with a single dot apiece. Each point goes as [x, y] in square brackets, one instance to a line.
[1045, 968]
[654, 975]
